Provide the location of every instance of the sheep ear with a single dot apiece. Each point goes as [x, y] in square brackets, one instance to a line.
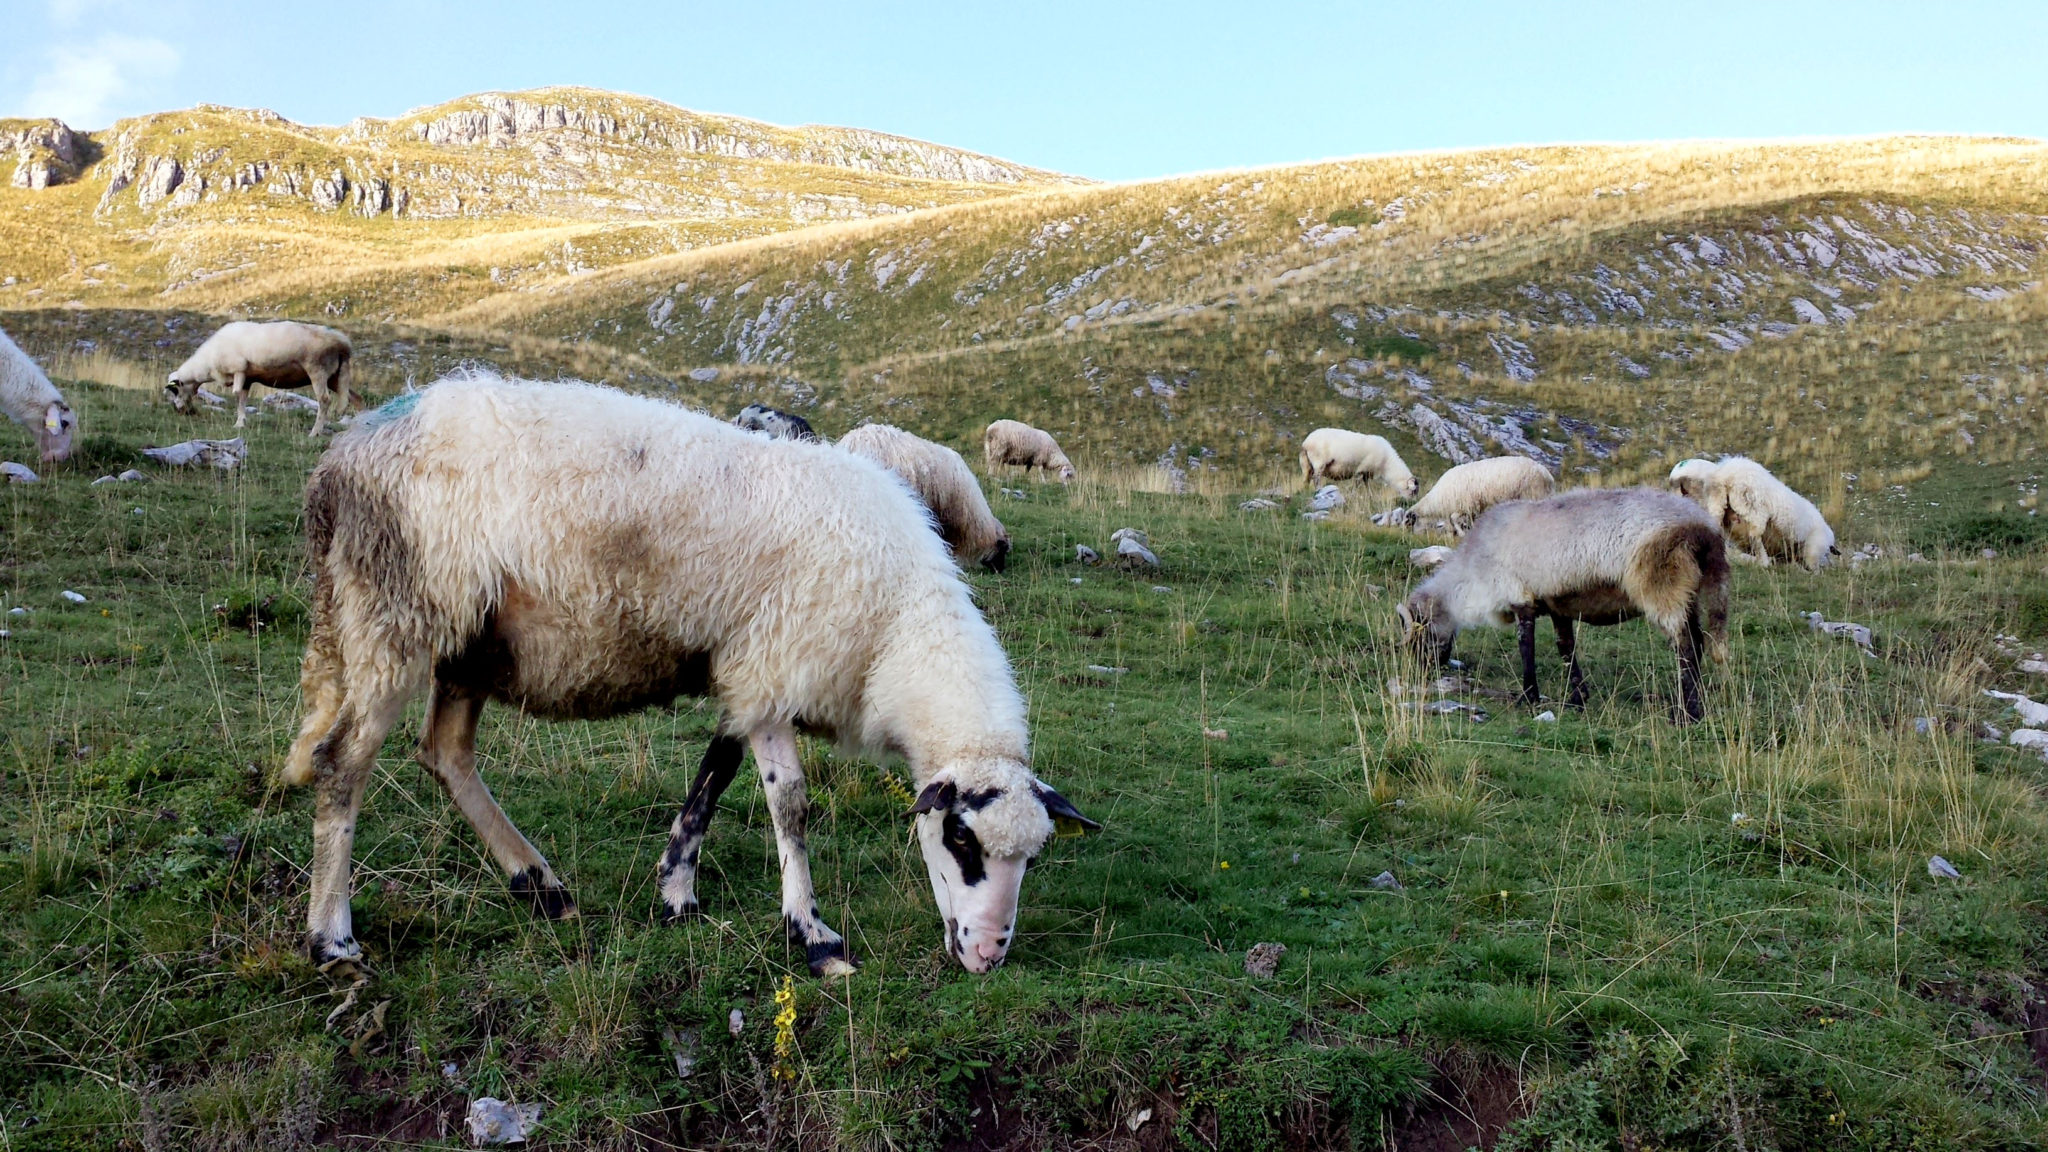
[1407, 618]
[1066, 819]
[936, 797]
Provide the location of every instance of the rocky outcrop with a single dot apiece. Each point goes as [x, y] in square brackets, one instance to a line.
[47, 152]
[160, 177]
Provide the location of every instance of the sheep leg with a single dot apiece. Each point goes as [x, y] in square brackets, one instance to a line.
[677, 874]
[448, 750]
[1568, 648]
[1689, 643]
[319, 378]
[1525, 635]
[782, 778]
[241, 399]
[341, 769]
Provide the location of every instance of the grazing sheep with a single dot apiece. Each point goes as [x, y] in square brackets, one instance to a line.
[574, 551]
[1689, 477]
[1595, 556]
[1461, 494]
[940, 478]
[775, 422]
[1008, 442]
[278, 354]
[1337, 454]
[1764, 518]
[34, 403]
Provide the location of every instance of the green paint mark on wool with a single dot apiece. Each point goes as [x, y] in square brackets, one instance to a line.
[396, 408]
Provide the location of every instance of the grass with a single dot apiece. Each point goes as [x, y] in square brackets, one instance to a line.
[1586, 950]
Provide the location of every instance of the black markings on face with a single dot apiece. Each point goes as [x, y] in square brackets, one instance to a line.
[965, 848]
[974, 800]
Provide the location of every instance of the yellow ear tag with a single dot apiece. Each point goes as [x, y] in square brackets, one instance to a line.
[52, 423]
[1067, 828]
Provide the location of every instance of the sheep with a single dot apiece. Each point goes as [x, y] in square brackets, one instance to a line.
[1689, 477]
[1461, 494]
[1007, 442]
[1764, 518]
[279, 354]
[775, 422]
[34, 403]
[1595, 556]
[575, 551]
[941, 479]
[1337, 454]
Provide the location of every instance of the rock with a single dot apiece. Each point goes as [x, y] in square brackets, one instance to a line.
[492, 1121]
[1106, 670]
[1131, 554]
[74, 597]
[1385, 881]
[1941, 869]
[1123, 534]
[1215, 734]
[1328, 498]
[1545, 717]
[19, 473]
[131, 476]
[1136, 1120]
[1074, 580]
[1161, 588]
[1263, 960]
[1854, 632]
[2033, 714]
[1323, 514]
[1087, 555]
[160, 177]
[1452, 708]
[1429, 557]
[291, 401]
[1992, 733]
[1924, 725]
[1259, 504]
[734, 1021]
[2037, 667]
[2033, 739]
[225, 455]
[209, 396]
[1990, 553]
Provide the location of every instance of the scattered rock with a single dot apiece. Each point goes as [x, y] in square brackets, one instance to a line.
[1990, 553]
[1106, 670]
[1924, 725]
[1123, 534]
[1452, 708]
[291, 401]
[1386, 881]
[1855, 632]
[1161, 588]
[19, 473]
[1992, 733]
[1941, 869]
[1320, 515]
[1429, 557]
[1131, 552]
[1015, 493]
[1258, 504]
[2036, 666]
[684, 1046]
[1074, 580]
[1545, 717]
[492, 1121]
[1327, 498]
[74, 597]
[735, 1021]
[209, 396]
[2033, 739]
[1087, 555]
[1916, 558]
[225, 455]
[2030, 712]
[1215, 734]
[1263, 960]
[1136, 1120]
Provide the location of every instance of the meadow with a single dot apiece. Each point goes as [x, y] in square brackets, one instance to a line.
[1607, 932]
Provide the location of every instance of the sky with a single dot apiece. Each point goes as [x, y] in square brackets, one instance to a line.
[1102, 89]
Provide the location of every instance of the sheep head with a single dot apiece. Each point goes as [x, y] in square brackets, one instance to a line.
[181, 389]
[977, 842]
[1428, 630]
[54, 435]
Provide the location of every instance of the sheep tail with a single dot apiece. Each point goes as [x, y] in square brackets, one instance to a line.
[321, 671]
[1308, 471]
[1680, 571]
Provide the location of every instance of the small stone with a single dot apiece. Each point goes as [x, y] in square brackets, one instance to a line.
[1132, 553]
[1074, 580]
[1924, 725]
[1136, 1120]
[1087, 555]
[1941, 869]
[1161, 588]
[492, 1121]
[735, 1021]
[1106, 670]
[1215, 734]
[1990, 553]
[1123, 534]
[2035, 667]
[1385, 881]
[74, 597]
[1545, 717]
[17, 611]
[1327, 498]
[1263, 960]
[1429, 557]
[1258, 504]
[19, 473]
[450, 1071]
[1323, 514]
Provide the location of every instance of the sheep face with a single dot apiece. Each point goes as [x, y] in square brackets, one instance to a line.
[977, 844]
[54, 436]
[181, 389]
[1408, 488]
[998, 557]
[1429, 630]
[1066, 473]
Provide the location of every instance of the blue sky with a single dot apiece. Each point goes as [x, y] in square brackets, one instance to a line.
[1113, 91]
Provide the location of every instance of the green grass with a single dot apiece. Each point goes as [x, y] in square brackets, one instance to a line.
[1586, 947]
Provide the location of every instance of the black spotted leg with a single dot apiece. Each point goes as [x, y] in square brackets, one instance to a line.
[677, 873]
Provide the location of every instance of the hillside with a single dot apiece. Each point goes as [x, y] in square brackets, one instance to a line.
[233, 208]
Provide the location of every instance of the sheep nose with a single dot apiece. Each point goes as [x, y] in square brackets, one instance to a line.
[990, 949]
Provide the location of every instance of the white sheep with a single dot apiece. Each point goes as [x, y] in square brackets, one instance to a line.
[31, 401]
[775, 422]
[1338, 454]
[579, 552]
[1595, 556]
[1689, 477]
[1764, 518]
[946, 485]
[277, 354]
[1461, 494]
[1008, 442]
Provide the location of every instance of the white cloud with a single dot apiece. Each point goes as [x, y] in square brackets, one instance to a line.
[84, 85]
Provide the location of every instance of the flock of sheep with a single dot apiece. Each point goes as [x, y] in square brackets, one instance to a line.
[576, 551]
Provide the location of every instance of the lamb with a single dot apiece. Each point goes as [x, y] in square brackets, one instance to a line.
[279, 354]
[941, 479]
[1337, 454]
[1008, 442]
[31, 401]
[1595, 556]
[775, 422]
[575, 551]
[1764, 518]
[1461, 494]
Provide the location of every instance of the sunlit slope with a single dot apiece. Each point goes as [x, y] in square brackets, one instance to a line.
[1853, 303]
[232, 208]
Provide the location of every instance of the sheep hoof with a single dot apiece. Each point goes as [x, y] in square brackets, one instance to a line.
[341, 962]
[672, 916]
[549, 899]
[831, 966]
